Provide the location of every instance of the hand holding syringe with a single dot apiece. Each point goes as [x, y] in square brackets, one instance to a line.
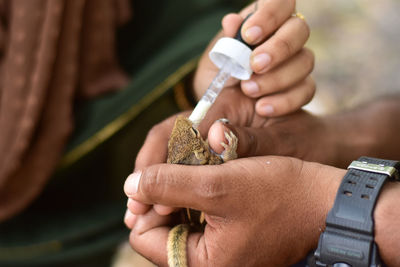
[232, 57]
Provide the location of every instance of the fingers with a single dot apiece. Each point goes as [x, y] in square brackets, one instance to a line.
[231, 23]
[129, 219]
[280, 62]
[155, 147]
[282, 77]
[196, 187]
[164, 210]
[287, 101]
[271, 14]
[153, 151]
[286, 42]
[152, 245]
[252, 141]
[230, 104]
[149, 237]
[276, 33]
[136, 207]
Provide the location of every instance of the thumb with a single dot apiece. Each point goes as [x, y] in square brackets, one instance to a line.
[231, 24]
[196, 187]
[251, 141]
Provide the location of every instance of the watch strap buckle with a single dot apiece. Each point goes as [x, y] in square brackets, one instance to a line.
[392, 172]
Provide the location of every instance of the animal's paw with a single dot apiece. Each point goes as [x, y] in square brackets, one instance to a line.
[230, 149]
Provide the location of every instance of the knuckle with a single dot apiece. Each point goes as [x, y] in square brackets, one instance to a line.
[311, 89]
[283, 47]
[253, 145]
[212, 190]
[132, 238]
[309, 59]
[274, 83]
[286, 104]
[139, 161]
[154, 131]
[150, 184]
[272, 20]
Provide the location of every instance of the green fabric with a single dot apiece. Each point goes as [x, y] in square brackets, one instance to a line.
[186, 44]
[78, 219]
[165, 20]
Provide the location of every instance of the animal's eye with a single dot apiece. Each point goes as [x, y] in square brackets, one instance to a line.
[195, 132]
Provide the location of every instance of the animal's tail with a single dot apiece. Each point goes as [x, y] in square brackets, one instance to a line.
[176, 246]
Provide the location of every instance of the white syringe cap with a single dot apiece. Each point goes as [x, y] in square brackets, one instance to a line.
[231, 49]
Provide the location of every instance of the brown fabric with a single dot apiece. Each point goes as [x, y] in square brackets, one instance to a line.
[51, 51]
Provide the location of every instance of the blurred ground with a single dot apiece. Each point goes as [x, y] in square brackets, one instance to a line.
[126, 257]
[356, 45]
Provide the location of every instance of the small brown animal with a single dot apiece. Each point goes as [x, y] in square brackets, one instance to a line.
[186, 146]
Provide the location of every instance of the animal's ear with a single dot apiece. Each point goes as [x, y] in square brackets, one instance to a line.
[195, 132]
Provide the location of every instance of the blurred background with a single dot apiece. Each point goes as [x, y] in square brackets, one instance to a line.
[356, 45]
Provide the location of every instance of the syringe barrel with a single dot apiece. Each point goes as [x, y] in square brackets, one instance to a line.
[211, 94]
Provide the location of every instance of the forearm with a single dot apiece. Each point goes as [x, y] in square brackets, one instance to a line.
[369, 130]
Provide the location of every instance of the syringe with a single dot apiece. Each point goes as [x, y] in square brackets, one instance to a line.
[211, 94]
[232, 57]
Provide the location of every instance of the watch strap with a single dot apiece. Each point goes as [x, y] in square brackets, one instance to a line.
[348, 239]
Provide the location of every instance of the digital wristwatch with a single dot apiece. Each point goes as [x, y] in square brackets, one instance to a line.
[348, 239]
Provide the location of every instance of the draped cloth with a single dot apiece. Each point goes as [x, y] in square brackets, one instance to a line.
[51, 53]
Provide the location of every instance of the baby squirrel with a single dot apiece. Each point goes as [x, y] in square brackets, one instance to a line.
[186, 146]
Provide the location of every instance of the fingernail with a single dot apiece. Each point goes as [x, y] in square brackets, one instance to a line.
[260, 62]
[132, 183]
[267, 109]
[250, 87]
[253, 34]
[223, 120]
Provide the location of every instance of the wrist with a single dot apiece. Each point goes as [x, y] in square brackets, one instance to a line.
[357, 220]
[387, 224]
[323, 186]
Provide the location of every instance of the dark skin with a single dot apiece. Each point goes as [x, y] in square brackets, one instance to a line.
[371, 129]
[234, 196]
[336, 139]
[227, 192]
[281, 81]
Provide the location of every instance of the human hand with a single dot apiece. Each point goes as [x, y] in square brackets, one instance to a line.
[270, 210]
[299, 135]
[291, 135]
[281, 82]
